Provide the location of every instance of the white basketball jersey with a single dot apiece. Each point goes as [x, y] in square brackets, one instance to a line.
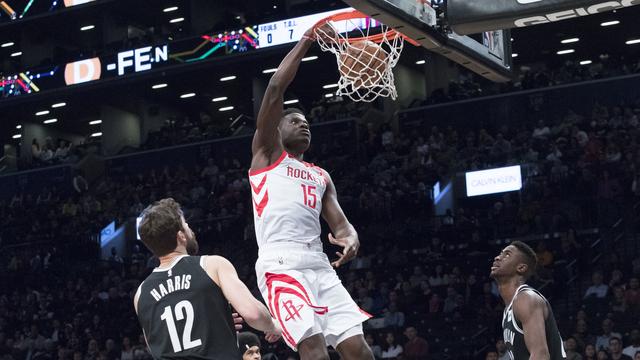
[287, 201]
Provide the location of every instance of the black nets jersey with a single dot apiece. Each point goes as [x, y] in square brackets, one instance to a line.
[184, 314]
[514, 335]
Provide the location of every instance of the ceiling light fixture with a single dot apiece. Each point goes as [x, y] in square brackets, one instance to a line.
[226, 108]
[58, 105]
[159, 86]
[228, 78]
[420, 62]
[43, 112]
[16, 54]
[569, 41]
[170, 9]
[221, 98]
[610, 23]
[88, 27]
[97, 134]
[187, 95]
[310, 58]
[289, 102]
[585, 62]
[50, 121]
[269, 71]
[95, 122]
[176, 20]
[564, 52]
[634, 41]
[7, 44]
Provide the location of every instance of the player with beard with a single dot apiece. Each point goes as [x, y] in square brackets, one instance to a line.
[183, 305]
[529, 328]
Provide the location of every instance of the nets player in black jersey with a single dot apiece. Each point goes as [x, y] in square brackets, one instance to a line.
[529, 328]
[183, 305]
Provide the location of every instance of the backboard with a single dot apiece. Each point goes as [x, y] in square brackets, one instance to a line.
[488, 54]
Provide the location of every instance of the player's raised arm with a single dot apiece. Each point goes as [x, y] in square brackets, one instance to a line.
[235, 291]
[267, 146]
[530, 310]
[343, 233]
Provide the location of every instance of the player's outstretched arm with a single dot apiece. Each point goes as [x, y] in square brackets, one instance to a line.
[530, 310]
[235, 291]
[343, 233]
[267, 146]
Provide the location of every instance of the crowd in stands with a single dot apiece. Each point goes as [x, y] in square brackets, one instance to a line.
[62, 151]
[49, 154]
[533, 77]
[66, 308]
[426, 282]
[201, 127]
[189, 129]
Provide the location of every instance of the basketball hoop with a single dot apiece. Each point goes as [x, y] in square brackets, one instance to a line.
[366, 51]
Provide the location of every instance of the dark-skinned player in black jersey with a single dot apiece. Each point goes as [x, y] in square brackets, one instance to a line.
[529, 328]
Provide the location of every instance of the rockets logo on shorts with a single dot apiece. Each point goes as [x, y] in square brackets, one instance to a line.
[292, 305]
[285, 290]
[293, 310]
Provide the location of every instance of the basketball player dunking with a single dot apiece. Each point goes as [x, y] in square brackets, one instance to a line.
[295, 276]
[183, 306]
[529, 328]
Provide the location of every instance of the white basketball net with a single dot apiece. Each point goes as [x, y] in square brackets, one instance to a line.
[370, 78]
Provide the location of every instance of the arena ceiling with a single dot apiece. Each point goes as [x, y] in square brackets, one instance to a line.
[144, 20]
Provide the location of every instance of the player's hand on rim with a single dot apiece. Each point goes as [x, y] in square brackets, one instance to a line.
[310, 34]
[324, 30]
[350, 245]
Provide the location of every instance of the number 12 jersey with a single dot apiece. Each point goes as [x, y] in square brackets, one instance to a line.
[184, 314]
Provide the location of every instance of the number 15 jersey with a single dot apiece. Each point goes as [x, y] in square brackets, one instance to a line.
[287, 201]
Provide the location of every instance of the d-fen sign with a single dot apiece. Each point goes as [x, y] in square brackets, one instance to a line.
[135, 60]
[494, 181]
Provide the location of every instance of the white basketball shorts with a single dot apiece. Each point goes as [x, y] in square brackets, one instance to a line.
[303, 292]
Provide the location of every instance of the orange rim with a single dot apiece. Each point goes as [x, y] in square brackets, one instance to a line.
[355, 14]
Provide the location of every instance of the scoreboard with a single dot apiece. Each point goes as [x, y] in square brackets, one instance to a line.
[131, 61]
[291, 30]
